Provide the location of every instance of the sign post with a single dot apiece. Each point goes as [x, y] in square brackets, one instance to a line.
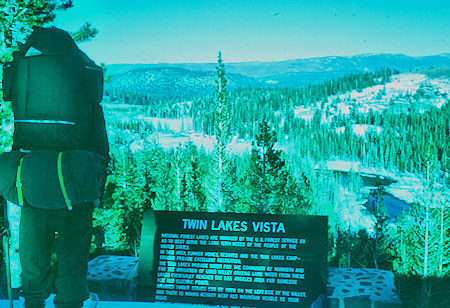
[227, 259]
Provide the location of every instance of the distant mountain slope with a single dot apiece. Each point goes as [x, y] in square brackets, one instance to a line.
[174, 82]
[366, 62]
[194, 79]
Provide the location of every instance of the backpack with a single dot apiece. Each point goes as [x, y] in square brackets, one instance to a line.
[55, 91]
[60, 145]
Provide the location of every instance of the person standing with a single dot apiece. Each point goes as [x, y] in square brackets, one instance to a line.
[59, 157]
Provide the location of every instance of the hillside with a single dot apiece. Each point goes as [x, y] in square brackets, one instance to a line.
[174, 82]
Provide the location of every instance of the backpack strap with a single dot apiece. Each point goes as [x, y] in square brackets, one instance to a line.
[19, 183]
[61, 182]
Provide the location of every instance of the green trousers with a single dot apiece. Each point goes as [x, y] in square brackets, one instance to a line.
[43, 233]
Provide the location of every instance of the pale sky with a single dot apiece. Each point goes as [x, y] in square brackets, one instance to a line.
[173, 31]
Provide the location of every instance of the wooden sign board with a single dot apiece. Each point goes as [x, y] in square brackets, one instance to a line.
[227, 259]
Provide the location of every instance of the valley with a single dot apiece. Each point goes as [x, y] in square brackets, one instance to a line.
[403, 94]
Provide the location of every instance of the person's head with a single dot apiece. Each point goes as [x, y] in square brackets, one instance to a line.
[50, 41]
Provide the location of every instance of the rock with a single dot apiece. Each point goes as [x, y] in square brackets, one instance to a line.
[113, 278]
[361, 287]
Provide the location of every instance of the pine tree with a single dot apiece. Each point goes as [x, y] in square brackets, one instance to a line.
[380, 244]
[110, 217]
[85, 33]
[219, 185]
[127, 195]
[274, 189]
[192, 195]
[18, 17]
[6, 120]
[343, 248]
[165, 197]
[424, 234]
[264, 166]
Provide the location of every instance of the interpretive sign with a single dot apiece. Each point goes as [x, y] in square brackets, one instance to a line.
[245, 260]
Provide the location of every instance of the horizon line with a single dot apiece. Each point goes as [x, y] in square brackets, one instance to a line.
[287, 60]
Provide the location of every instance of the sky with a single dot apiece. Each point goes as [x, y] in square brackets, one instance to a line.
[173, 31]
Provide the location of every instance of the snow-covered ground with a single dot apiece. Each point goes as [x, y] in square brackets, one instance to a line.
[381, 96]
[377, 98]
[175, 132]
[398, 92]
[174, 125]
[172, 141]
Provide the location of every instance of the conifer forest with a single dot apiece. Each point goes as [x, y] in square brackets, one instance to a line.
[283, 168]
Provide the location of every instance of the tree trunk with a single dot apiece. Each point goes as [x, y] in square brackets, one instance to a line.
[425, 259]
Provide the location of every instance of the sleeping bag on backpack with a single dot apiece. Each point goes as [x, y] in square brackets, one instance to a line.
[80, 179]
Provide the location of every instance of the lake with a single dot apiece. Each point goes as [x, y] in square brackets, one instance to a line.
[394, 206]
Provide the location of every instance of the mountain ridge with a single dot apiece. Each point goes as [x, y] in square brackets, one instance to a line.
[381, 59]
[188, 80]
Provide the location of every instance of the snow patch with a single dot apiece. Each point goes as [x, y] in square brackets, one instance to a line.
[272, 82]
[342, 165]
[352, 214]
[305, 113]
[362, 129]
[400, 93]
[172, 141]
[136, 146]
[174, 125]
